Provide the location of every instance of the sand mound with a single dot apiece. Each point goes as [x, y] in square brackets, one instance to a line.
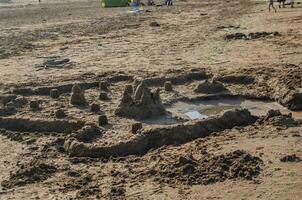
[276, 118]
[88, 133]
[209, 169]
[33, 172]
[293, 100]
[210, 87]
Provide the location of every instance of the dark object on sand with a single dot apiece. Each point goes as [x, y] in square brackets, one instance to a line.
[104, 96]
[136, 127]
[250, 36]
[290, 158]
[154, 24]
[129, 89]
[60, 113]
[104, 85]
[54, 93]
[103, 120]
[54, 63]
[168, 86]
[34, 105]
[95, 107]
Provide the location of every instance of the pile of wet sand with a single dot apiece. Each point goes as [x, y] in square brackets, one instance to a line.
[209, 169]
[32, 172]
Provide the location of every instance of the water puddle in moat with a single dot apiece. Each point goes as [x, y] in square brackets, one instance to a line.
[208, 108]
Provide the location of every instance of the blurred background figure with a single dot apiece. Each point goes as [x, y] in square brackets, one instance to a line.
[150, 3]
[168, 2]
[271, 5]
[281, 3]
[291, 2]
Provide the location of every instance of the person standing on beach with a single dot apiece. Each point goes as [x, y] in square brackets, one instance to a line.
[291, 2]
[150, 3]
[281, 3]
[271, 4]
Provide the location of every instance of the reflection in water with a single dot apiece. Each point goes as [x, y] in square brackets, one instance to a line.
[194, 114]
[167, 119]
